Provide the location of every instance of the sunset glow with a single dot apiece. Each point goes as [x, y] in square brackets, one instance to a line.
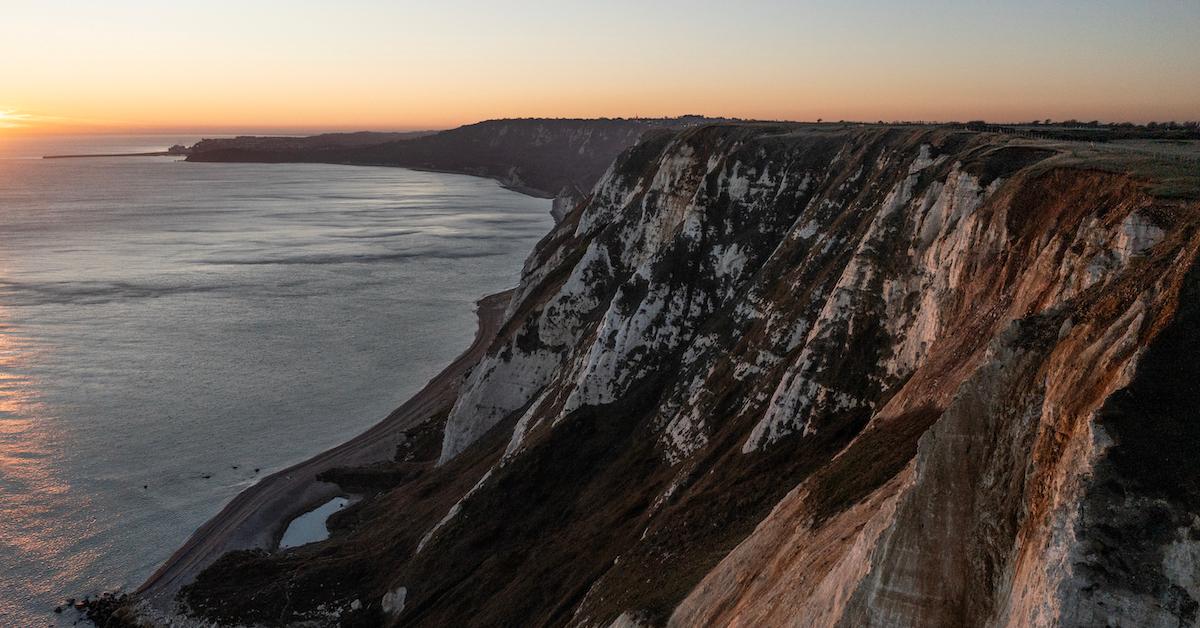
[12, 119]
[364, 64]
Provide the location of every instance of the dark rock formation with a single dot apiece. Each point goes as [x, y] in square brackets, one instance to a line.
[535, 156]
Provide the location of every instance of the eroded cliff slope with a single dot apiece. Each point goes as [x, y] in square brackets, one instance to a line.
[782, 375]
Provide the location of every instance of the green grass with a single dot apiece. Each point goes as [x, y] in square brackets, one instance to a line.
[1171, 170]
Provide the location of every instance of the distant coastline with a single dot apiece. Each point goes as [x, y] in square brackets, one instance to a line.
[155, 154]
[177, 150]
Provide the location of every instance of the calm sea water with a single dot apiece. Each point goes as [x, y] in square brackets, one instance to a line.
[166, 328]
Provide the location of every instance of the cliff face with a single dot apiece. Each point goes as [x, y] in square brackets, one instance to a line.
[769, 375]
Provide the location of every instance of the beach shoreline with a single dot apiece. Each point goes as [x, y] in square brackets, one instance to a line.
[257, 517]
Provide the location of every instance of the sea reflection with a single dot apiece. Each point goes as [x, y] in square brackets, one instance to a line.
[15, 386]
[32, 528]
[171, 332]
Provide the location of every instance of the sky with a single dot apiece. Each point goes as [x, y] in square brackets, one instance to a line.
[246, 65]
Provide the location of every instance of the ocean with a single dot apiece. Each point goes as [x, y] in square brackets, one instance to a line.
[172, 331]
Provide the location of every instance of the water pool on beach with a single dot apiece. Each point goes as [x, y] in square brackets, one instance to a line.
[170, 332]
[311, 527]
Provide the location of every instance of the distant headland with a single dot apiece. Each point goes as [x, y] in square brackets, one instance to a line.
[176, 150]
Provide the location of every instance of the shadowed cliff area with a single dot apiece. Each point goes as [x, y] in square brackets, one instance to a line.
[536, 156]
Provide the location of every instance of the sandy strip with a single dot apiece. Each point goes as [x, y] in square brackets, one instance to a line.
[258, 515]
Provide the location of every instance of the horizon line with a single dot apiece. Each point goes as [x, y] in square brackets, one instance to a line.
[288, 130]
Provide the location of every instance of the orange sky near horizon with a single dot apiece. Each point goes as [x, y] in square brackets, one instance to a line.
[367, 64]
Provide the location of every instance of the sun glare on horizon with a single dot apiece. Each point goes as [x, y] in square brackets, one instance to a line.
[10, 119]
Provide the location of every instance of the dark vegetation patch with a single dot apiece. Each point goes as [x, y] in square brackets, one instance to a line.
[1002, 162]
[423, 442]
[556, 515]
[641, 160]
[629, 298]
[711, 513]
[1154, 420]
[1048, 197]
[373, 478]
[357, 562]
[111, 610]
[876, 456]
[542, 293]
[1146, 489]
[416, 453]
[241, 586]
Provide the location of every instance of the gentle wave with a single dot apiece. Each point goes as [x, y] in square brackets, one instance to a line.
[170, 332]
